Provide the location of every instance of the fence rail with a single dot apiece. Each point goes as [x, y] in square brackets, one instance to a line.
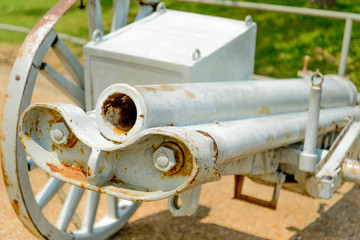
[26, 30]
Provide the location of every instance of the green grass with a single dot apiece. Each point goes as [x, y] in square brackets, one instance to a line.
[282, 39]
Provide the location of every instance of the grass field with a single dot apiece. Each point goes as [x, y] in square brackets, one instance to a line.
[282, 39]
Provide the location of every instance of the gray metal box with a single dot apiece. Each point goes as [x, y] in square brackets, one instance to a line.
[160, 49]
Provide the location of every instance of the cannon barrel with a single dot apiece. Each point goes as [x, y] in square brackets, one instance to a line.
[122, 110]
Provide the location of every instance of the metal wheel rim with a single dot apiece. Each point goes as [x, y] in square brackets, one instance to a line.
[15, 168]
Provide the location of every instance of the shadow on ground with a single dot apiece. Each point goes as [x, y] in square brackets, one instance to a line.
[171, 228]
[341, 221]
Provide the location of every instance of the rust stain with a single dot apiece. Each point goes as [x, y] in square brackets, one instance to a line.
[119, 110]
[287, 136]
[353, 171]
[27, 135]
[168, 88]
[142, 116]
[16, 206]
[189, 94]
[215, 148]
[53, 168]
[5, 175]
[183, 158]
[116, 180]
[149, 89]
[88, 171]
[73, 172]
[264, 110]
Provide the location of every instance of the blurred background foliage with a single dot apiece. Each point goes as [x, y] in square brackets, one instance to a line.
[282, 39]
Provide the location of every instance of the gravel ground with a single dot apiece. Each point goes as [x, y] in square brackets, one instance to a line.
[218, 216]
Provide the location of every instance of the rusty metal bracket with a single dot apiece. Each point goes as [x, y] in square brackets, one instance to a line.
[239, 184]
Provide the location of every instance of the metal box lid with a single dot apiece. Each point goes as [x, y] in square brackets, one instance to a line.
[171, 37]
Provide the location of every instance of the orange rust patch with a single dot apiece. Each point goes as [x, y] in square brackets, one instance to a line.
[71, 172]
[189, 94]
[142, 116]
[27, 135]
[118, 131]
[263, 110]
[353, 171]
[88, 171]
[149, 89]
[53, 168]
[215, 148]
[168, 88]
[82, 149]
[5, 175]
[16, 206]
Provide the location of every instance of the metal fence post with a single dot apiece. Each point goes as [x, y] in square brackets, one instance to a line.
[345, 46]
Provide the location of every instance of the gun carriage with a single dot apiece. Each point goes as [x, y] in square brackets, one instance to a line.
[164, 105]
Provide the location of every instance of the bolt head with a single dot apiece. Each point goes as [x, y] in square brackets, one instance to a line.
[164, 159]
[59, 133]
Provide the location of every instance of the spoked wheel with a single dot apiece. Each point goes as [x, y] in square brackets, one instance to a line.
[16, 165]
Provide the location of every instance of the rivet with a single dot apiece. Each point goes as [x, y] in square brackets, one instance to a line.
[17, 77]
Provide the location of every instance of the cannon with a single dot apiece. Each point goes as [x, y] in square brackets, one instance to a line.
[162, 106]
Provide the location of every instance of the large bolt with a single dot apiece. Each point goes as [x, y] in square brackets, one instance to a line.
[164, 159]
[59, 133]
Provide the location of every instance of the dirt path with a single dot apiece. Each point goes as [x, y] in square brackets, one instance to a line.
[219, 216]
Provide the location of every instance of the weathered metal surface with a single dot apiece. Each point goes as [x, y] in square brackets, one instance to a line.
[190, 202]
[308, 158]
[93, 162]
[19, 91]
[123, 110]
[15, 162]
[113, 164]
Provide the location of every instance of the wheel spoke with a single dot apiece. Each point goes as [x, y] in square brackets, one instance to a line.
[94, 16]
[144, 11]
[126, 208]
[120, 15]
[68, 210]
[48, 192]
[69, 61]
[92, 202]
[71, 90]
[112, 203]
[31, 164]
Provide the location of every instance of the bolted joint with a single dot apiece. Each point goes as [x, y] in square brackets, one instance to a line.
[164, 159]
[59, 133]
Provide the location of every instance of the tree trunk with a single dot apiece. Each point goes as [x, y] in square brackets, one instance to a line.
[323, 3]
